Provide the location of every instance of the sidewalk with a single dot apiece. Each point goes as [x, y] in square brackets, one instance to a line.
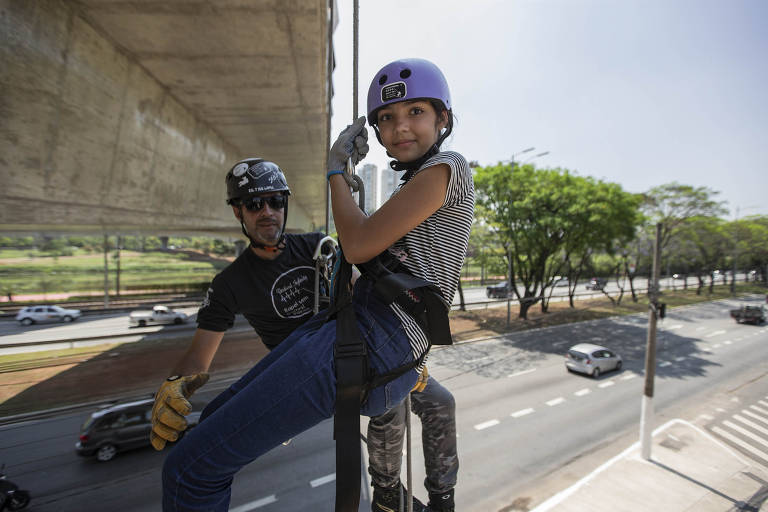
[689, 471]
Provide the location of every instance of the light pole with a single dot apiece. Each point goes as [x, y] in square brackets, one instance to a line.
[535, 156]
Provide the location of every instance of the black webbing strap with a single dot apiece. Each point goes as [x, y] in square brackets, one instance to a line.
[351, 374]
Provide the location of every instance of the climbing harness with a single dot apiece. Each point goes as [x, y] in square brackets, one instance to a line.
[325, 253]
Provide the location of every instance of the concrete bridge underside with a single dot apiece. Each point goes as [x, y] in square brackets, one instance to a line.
[124, 115]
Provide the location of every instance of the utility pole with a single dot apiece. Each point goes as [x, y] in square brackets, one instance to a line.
[646, 414]
[106, 271]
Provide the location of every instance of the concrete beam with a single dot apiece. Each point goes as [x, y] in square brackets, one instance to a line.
[125, 115]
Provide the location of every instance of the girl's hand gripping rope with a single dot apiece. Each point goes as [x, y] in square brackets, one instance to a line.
[352, 144]
[171, 405]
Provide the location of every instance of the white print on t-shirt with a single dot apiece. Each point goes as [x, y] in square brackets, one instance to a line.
[293, 292]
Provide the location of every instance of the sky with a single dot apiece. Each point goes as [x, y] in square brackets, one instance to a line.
[635, 92]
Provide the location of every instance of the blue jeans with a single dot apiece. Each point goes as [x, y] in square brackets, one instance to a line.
[292, 389]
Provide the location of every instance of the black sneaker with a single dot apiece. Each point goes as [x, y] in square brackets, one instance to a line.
[441, 502]
[388, 500]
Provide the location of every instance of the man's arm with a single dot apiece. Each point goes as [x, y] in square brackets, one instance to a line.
[198, 357]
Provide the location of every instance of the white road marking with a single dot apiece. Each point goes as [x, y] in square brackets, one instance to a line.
[665, 363]
[758, 409]
[522, 412]
[255, 504]
[706, 417]
[629, 376]
[673, 327]
[720, 409]
[751, 424]
[716, 333]
[606, 384]
[716, 346]
[746, 433]
[582, 392]
[727, 342]
[487, 424]
[700, 329]
[764, 404]
[678, 359]
[743, 444]
[317, 482]
[555, 401]
[560, 343]
[521, 373]
[756, 416]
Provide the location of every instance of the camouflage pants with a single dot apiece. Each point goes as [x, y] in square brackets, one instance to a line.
[436, 408]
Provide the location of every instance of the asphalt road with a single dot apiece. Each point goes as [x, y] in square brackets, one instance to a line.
[520, 415]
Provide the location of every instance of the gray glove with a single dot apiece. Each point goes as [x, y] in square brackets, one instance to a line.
[352, 143]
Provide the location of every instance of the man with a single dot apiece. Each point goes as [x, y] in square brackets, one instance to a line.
[272, 285]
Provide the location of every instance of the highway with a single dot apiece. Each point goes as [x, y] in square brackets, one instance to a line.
[520, 416]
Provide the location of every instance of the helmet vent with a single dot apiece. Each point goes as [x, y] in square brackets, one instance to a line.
[383, 79]
[405, 73]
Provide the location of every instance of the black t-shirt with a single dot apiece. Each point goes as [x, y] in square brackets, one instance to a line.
[275, 296]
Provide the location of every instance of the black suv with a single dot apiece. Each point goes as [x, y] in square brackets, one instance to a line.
[498, 291]
[118, 428]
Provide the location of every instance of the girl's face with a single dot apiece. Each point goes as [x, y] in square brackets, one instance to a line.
[409, 128]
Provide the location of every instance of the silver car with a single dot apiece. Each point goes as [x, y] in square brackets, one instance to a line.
[591, 359]
[158, 315]
[39, 314]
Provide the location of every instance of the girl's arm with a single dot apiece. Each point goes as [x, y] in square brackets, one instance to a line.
[364, 237]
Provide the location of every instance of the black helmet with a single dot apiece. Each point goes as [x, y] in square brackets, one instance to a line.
[254, 176]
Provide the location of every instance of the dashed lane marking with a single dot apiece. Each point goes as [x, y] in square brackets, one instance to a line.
[521, 373]
[706, 417]
[555, 401]
[522, 412]
[583, 392]
[745, 433]
[487, 424]
[317, 482]
[716, 333]
[716, 346]
[735, 440]
[727, 342]
[674, 327]
[629, 376]
[700, 329]
[678, 359]
[255, 504]
[664, 363]
[606, 384]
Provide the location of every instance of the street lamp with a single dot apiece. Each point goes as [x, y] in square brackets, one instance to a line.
[535, 156]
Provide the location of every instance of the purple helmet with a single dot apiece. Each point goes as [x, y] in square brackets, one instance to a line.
[406, 79]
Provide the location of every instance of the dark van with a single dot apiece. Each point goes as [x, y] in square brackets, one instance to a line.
[118, 428]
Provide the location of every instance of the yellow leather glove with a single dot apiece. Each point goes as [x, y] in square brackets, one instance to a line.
[421, 383]
[171, 405]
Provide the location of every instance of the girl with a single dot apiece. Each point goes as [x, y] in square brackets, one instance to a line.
[425, 224]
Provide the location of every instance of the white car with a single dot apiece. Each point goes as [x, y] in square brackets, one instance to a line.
[158, 315]
[591, 359]
[38, 314]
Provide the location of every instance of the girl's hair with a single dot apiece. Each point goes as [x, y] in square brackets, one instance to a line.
[439, 109]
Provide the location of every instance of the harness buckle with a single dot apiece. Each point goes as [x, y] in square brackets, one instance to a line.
[351, 350]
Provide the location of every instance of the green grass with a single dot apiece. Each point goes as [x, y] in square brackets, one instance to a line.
[85, 272]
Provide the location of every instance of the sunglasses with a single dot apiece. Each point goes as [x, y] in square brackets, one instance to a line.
[256, 204]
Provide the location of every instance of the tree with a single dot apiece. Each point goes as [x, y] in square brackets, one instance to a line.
[673, 203]
[544, 216]
[712, 242]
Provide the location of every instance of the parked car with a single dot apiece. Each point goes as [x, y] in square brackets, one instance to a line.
[591, 359]
[117, 428]
[498, 291]
[38, 314]
[158, 315]
[597, 283]
[749, 314]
